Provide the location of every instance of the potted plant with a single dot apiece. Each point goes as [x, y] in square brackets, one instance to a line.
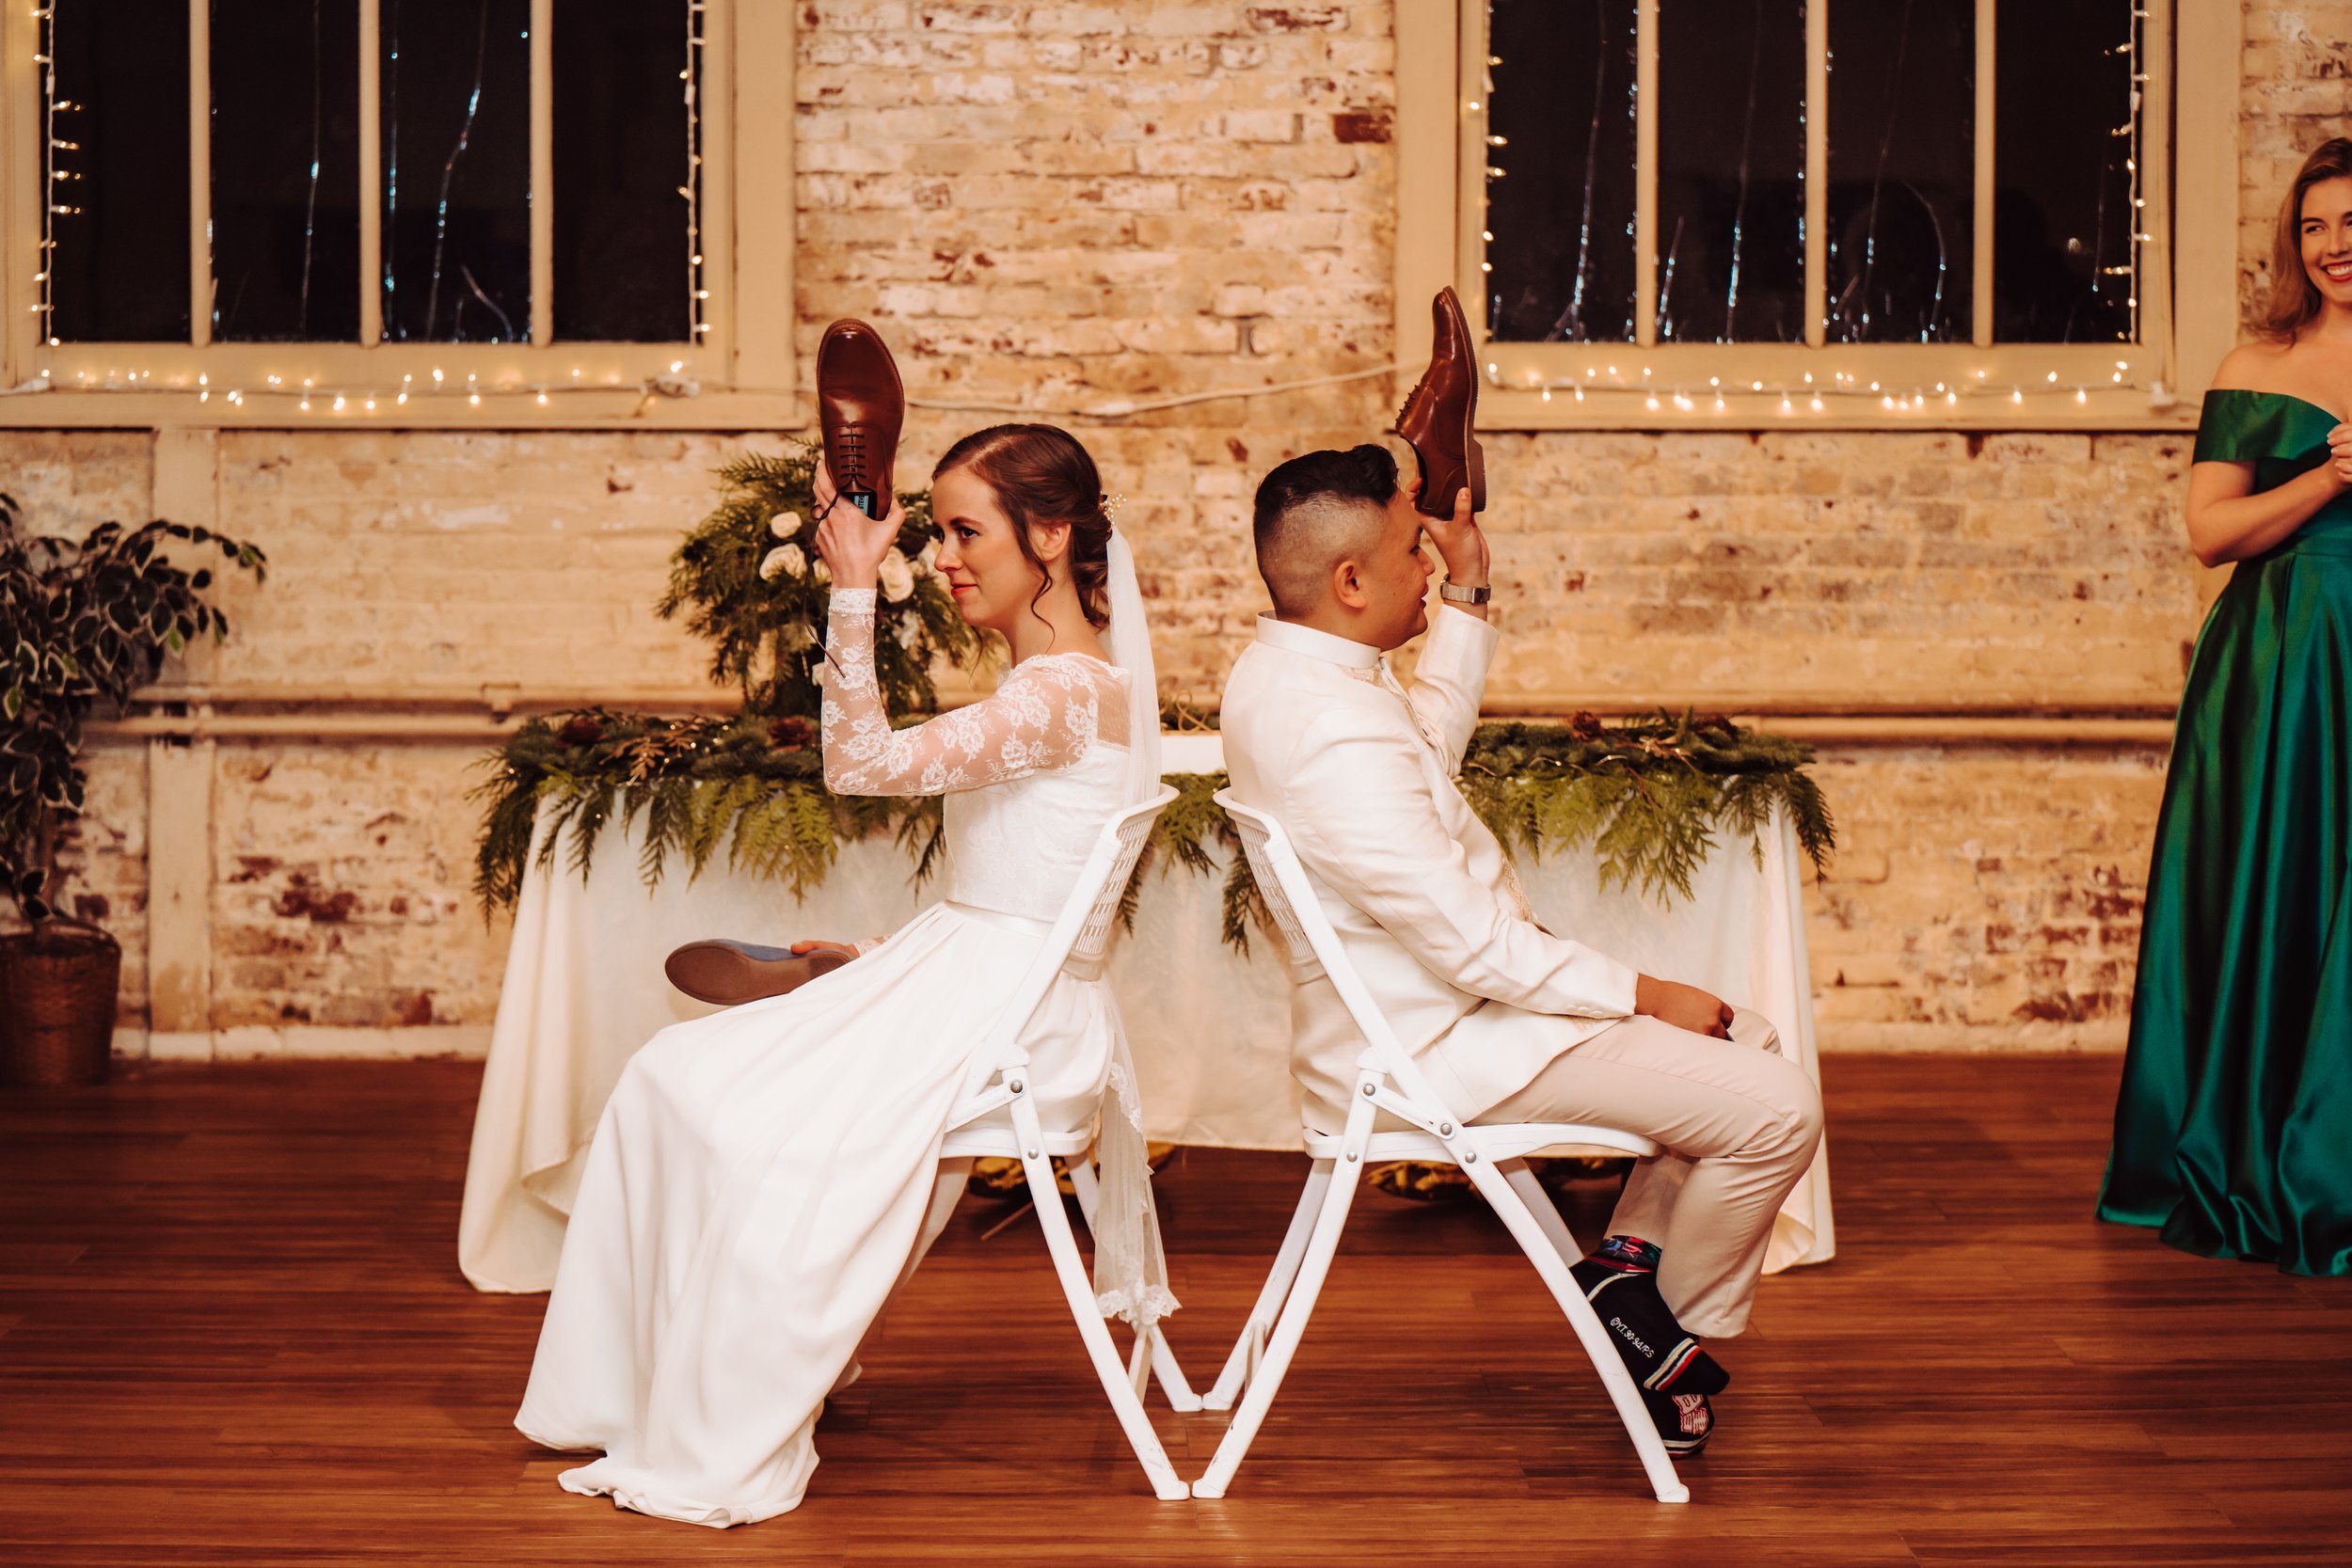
[78, 622]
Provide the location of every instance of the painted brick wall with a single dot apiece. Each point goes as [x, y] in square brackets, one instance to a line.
[1067, 204]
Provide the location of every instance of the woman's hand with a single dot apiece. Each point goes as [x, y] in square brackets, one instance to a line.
[803, 948]
[2340, 453]
[851, 543]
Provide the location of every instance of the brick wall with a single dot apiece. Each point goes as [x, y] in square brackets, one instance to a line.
[1069, 203]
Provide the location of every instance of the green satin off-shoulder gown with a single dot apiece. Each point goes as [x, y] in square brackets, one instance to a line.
[2234, 1130]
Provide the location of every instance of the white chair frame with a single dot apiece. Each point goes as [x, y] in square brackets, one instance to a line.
[1493, 1157]
[1000, 1118]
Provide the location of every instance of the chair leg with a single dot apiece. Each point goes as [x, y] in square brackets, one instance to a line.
[1055, 1221]
[1181, 1398]
[1251, 1344]
[1543, 1250]
[1322, 1245]
[1523, 1182]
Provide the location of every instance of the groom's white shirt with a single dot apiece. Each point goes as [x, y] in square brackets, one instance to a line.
[1361, 773]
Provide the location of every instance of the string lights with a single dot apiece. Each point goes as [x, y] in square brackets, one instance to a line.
[696, 295]
[54, 202]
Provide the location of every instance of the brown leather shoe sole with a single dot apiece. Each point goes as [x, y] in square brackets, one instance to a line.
[731, 973]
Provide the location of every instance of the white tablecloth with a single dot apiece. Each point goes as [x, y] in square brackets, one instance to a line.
[1210, 1029]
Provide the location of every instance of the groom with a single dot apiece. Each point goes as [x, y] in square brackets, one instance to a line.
[1509, 1022]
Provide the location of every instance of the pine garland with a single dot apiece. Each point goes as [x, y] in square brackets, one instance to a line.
[1651, 797]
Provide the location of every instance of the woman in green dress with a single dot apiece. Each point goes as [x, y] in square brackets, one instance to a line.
[2234, 1130]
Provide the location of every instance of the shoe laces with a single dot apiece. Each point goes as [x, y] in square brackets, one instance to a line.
[1406, 407]
[852, 440]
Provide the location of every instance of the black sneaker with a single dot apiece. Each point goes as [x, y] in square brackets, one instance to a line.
[1662, 1358]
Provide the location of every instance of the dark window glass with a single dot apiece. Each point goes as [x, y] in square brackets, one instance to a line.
[621, 155]
[1731, 171]
[285, 125]
[1562, 211]
[457, 105]
[119, 271]
[2062, 183]
[1901, 170]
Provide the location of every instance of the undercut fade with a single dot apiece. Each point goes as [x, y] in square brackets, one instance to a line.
[1315, 511]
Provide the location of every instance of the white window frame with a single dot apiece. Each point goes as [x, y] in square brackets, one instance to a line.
[2154, 385]
[741, 373]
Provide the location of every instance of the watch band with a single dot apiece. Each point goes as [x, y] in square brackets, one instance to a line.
[1454, 593]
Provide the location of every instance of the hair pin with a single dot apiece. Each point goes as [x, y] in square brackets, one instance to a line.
[1111, 505]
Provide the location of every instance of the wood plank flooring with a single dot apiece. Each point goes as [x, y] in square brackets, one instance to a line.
[233, 1331]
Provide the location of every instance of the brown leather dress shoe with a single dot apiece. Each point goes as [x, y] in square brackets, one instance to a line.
[1439, 412]
[734, 973]
[860, 408]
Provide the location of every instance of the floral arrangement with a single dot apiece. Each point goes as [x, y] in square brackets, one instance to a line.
[748, 579]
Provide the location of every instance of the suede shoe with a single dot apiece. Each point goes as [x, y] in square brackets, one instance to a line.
[861, 408]
[1440, 412]
[734, 973]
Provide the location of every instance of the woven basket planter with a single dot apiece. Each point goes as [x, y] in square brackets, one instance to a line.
[58, 986]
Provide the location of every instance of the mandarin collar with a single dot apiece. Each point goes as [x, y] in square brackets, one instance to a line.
[1292, 637]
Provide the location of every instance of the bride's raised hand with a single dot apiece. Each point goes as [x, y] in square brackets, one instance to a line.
[851, 543]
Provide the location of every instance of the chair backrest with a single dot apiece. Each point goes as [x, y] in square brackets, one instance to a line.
[1289, 898]
[1083, 930]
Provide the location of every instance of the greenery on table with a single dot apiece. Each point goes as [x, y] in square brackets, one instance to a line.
[747, 578]
[81, 620]
[1653, 798]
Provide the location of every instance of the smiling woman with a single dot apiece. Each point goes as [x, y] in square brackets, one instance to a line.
[2234, 1120]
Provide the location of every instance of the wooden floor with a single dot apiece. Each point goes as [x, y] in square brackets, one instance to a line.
[231, 1330]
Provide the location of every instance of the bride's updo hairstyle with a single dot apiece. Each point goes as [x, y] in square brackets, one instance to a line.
[1041, 474]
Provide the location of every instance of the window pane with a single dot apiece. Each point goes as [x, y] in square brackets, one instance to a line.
[120, 272]
[1562, 213]
[1901, 170]
[2062, 249]
[285, 120]
[1731, 171]
[621, 270]
[457, 105]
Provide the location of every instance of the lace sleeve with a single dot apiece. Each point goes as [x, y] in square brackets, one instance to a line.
[1043, 716]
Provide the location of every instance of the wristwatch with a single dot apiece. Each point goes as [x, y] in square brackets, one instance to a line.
[1454, 593]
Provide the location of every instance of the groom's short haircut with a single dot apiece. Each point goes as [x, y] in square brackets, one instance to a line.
[1314, 511]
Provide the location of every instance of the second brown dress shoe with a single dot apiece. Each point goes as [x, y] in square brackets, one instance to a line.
[1440, 412]
[859, 409]
[734, 973]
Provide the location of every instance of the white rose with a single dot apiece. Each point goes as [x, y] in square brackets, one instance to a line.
[785, 524]
[782, 559]
[927, 564]
[910, 633]
[820, 572]
[898, 576]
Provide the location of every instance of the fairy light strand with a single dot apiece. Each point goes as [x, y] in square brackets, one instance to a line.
[695, 293]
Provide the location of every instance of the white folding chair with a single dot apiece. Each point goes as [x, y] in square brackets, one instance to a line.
[1000, 1120]
[1493, 1157]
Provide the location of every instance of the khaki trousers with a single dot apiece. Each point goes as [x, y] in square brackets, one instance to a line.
[1740, 1124]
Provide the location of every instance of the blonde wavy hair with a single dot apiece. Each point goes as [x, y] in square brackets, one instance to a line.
[2294, 302]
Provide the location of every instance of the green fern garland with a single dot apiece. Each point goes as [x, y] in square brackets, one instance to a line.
[1651, 797]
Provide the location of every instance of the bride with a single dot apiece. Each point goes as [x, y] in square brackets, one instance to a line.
[763, 1177]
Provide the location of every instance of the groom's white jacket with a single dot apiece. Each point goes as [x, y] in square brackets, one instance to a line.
[1360, 774]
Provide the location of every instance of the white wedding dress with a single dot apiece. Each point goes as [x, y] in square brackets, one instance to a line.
[760, 1180]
